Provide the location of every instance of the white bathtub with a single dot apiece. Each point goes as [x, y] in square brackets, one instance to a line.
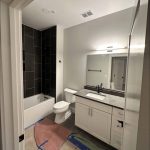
[37, 107]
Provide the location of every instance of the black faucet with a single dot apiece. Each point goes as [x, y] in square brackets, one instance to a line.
[99, 88]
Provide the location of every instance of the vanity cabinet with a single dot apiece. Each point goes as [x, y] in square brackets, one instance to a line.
[93, 119]
[100, 124]
[100, 120]
[82, 116]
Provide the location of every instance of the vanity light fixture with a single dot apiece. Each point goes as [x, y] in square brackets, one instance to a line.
[110, 48]
[109, 51]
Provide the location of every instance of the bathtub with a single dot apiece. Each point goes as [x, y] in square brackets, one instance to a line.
[37, 107]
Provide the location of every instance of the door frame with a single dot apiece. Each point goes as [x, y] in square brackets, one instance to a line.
[11, 74]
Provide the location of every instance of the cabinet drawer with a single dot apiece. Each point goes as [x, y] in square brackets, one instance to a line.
[118, 112]
[93, 104]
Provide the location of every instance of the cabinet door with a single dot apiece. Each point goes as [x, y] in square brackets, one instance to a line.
[82, 116]
[100, 125]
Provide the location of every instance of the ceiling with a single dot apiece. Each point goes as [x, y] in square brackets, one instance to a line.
[41, 14]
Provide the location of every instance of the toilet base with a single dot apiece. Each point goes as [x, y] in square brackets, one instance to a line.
[62, 117]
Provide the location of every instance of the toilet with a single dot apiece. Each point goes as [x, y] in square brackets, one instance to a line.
[61, 109]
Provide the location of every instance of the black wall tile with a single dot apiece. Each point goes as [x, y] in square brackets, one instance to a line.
[28, 44]
[39, 61]
[38, 86]
[37, 38]
[38, 73]
[29, 80]
[38, 56]
[49, 61]
[28, 31]
[29, 62]
[29, 92]
[32, 60]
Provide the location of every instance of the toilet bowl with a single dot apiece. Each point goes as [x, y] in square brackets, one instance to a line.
[61, 109]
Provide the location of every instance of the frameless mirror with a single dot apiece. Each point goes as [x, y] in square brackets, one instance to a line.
[108, 69]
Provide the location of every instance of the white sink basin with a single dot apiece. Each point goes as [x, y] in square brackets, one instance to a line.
[95, 96]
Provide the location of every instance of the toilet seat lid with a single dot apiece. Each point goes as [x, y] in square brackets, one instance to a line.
[61, 104]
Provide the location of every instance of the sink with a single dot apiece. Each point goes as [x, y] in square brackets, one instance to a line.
[96, 96]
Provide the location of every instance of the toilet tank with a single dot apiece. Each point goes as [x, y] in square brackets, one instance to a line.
[69, 95]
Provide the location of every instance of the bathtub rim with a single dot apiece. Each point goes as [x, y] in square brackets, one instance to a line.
[50, 97]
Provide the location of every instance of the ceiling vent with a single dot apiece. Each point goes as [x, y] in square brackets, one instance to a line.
[87, 14]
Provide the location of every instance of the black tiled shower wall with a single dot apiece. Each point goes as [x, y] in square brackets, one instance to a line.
[39, 61]
[32, 61]
[49, 61]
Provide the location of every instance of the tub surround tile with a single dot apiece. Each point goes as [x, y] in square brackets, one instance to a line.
[39, 61]
[29, 92]
[28, 44]
[37, 86]
[32, 61]
[49, 61]
[30, 80]
[37, 38]
[29, 62]
[28, 31]
[38, 56]
[38, 72]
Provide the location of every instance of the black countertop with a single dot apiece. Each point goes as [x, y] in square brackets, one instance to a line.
[107, 91]
[111, 100]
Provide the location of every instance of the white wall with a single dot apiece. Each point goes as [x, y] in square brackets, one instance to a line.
[79, 40]
[59, 63]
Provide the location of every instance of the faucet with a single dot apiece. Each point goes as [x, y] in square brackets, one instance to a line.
[99, 88]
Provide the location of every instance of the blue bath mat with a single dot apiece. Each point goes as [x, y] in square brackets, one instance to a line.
[82, 143]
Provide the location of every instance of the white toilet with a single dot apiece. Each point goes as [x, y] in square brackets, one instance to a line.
[61, 109]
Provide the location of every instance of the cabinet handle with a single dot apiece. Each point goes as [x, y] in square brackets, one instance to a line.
[91, 112]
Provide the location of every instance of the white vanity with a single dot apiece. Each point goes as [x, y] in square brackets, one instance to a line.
[102, 118]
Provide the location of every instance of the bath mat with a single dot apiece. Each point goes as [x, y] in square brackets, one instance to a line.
[82, 143]
[49, 135]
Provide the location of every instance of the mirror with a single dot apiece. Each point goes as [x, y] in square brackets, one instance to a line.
[108, 69]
